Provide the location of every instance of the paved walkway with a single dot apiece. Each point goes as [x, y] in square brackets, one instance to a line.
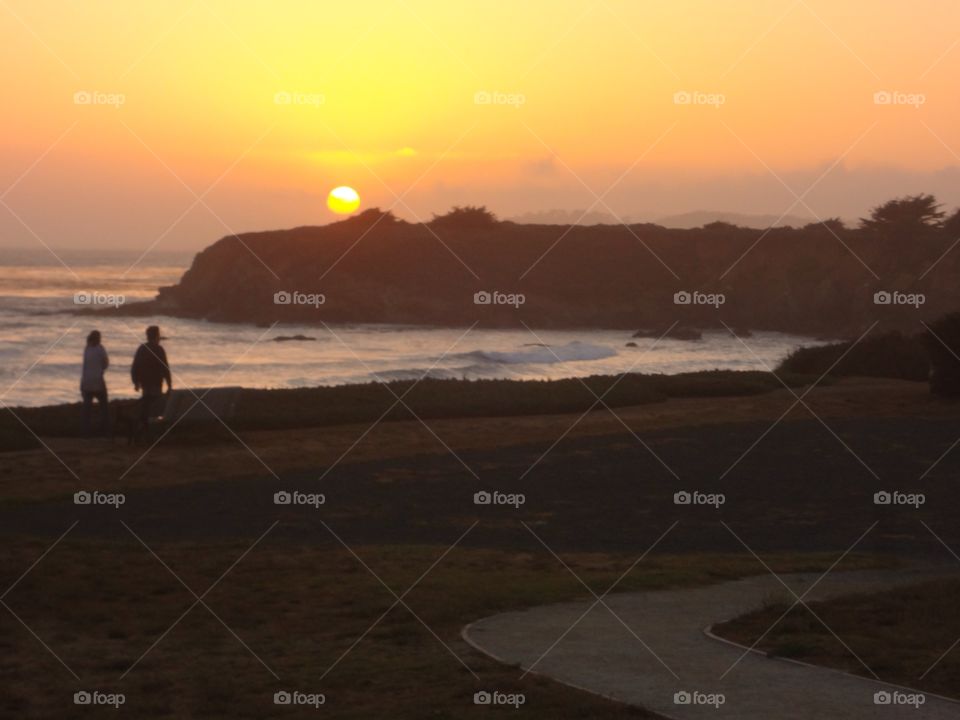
[602, 656]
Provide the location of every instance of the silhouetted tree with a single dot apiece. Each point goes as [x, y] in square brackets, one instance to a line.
[375, 215]
[905, 217]
[369, 219]
[942, 342]
[468, 216]
[951, 226]
[720, 225]
[835, 224]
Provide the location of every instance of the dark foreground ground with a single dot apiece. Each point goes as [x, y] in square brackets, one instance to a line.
[800, 489]
[200, 597]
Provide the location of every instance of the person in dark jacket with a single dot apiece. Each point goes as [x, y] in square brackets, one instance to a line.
[149, 371]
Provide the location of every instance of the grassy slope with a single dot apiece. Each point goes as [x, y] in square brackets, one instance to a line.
[898, 634]
[100, 606]
[429, 399]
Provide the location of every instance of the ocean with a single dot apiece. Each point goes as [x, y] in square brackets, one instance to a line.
[42, 340]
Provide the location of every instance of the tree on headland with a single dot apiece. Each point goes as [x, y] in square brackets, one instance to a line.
[951, 226]
[720, 225]
[374, 215]
[467, 216]
[833, 224]
[905, 217]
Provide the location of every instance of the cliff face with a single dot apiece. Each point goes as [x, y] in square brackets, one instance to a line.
[797, 280]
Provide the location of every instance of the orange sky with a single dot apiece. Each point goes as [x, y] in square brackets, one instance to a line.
[390, 97]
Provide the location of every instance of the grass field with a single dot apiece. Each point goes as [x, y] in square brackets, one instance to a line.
[897, 635]
[430, 399]
[100, 606]
[400, 494]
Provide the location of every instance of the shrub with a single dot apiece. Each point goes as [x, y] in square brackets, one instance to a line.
[892, 356]
[430, 399]
[469, 216]
[942, 342]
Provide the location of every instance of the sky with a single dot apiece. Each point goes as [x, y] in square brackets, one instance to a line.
[166, 125]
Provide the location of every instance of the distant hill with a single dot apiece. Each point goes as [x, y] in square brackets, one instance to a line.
[569, 217]
[377, 269]
[697, 218]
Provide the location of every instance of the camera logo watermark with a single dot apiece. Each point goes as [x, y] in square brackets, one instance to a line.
[696, 97]
[683, 497]
[285, 97]
[895, 697]
[284, 697]
[499, 298]
[98, 498]
[895, 97]
[694, 697]
[94, 298]
[95, 97]
[283, 297]
[95, 697]
[699, 298]
[486, 97]
[884, 297]
[514, 500]
[484, 697]
[314, 500]
[914, 500]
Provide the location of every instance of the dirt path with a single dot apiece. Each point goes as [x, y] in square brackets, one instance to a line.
[660, 648]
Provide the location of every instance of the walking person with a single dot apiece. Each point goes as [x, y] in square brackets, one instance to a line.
[149, 371]
[93, 386]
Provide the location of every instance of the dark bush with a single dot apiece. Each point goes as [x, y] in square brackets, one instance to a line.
[893, 355]
[942, 342]
[469, 216]
[429, 399]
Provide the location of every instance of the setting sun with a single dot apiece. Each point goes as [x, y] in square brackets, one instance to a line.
[343, 200]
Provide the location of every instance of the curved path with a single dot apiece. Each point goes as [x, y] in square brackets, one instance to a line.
[661, 648]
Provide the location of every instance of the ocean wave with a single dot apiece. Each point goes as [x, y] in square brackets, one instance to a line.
[575, 351]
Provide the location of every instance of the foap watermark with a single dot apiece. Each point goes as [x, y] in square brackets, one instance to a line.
[95, 97]
[302, 699]
[895, 297]
[96, 697]
[495, 697]
[96, 298]
[496, 497]
[495, 97]
[695, 297]
[695, 697]
[684, 497]
[896, 97]
[697, 97]
[286, 97]
[895, 697]
[314, 500]
[895, 497]
[96, 497]
[295, 297]
[496, 297]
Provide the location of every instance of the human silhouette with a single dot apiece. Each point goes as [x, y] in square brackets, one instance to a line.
[148, 372]
[93, 386]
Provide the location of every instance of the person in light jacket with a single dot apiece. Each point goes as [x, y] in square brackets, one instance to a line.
[93, 386]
